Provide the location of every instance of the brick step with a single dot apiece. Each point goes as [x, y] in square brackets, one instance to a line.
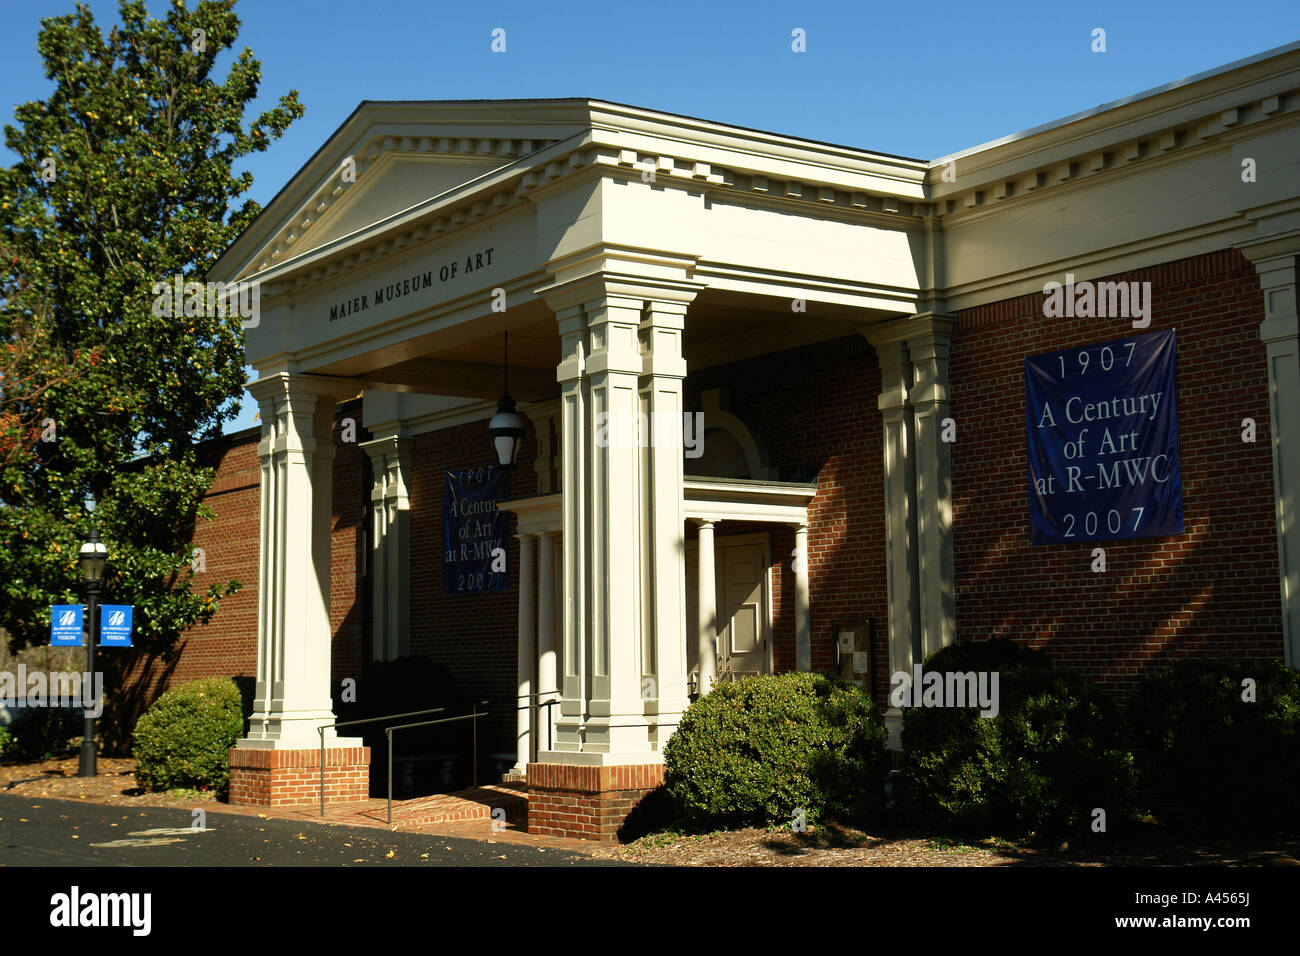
[475, 803]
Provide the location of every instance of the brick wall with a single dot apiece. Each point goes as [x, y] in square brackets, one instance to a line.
[475, 636]
[590, 803]
[273, 778]
[1213, 591]
[349, 543]
[227, 645]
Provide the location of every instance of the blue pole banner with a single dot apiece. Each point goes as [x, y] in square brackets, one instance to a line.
[474, 531]
[1101, 426]
[65, 625]
[115, 625]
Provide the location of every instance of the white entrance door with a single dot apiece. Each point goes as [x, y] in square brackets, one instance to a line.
[742, 609]
[744, 623]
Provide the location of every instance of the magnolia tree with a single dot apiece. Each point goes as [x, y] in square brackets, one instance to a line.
[124, 185]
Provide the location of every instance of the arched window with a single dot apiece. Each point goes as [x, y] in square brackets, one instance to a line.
[729, 448]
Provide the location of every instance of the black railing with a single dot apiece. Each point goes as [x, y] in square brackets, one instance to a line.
[352, 723]
[550, 724]
[474, 716]
[388, 733]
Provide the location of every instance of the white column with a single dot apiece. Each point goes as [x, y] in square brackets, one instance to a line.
[524, 668]
[928, 350]
[546, 670]
[559, 625]
[1280, 333]
[617, 724]
[802, 615]
[570, 373]
[612, 486]
[294, 633]
[390, 458]
[708, 609]
[663, 370]
[913, 357]
[900, 515]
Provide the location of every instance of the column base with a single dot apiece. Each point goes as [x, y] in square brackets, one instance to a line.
[265, 777]
[894, 724]
[587, 802]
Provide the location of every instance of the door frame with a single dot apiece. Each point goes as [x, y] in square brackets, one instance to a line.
[721, 541]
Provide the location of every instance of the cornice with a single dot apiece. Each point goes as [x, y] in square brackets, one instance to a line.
[926, 328]
[831, 179]
[1022, 176]
[504, 189]
[1285, 245]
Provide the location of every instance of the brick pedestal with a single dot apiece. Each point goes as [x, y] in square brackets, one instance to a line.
[276, 778]
[589, 803]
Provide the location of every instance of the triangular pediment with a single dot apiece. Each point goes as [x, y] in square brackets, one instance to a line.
[388, 157]
[394, 182]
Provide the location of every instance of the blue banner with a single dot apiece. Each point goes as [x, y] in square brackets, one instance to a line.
[115, 625]
[65, 625]
[474, 531]
[1102, 441]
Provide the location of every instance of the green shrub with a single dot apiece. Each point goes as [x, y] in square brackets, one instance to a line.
[1232, 762]
[756, 751]
[1050, 756]
[42, 733]
[6, 739]
[184, 739]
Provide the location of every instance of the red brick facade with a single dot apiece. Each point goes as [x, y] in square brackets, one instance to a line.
[1213, 591]
[275, 778]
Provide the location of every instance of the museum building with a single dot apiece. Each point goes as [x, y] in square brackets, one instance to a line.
[1044, 388]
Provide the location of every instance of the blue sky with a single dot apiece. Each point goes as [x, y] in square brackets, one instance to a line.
[920, 80]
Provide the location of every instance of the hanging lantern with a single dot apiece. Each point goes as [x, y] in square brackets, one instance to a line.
[507, 426]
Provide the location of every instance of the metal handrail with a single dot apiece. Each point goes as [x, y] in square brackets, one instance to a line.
[550, 729]
[388, 733]
[352, 723]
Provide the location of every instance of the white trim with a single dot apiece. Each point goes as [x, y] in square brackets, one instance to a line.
[735, 499]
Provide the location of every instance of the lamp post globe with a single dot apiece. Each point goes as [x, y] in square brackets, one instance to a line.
[92, 558]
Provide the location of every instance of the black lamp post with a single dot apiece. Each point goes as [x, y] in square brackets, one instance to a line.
[92, 558]
[506, 427]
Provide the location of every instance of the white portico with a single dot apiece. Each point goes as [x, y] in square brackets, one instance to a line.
[619, 247]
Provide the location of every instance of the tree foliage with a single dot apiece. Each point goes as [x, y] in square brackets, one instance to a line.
[125, 178]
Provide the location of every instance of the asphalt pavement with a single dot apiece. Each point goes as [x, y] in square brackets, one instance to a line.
[41, 832]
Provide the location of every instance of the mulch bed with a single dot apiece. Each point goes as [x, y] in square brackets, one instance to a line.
[1141, 845]
[115, 785]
